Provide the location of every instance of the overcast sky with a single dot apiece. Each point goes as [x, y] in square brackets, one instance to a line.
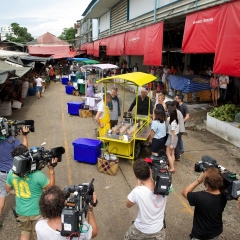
[41, 16]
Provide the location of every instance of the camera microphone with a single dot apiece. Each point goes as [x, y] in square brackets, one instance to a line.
[28, 122]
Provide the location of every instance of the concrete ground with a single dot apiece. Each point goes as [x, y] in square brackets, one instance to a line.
[57, 128]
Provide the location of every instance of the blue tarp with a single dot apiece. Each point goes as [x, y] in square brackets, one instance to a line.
[189, 83]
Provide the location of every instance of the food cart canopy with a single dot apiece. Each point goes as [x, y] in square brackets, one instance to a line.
[138, 78]
[101, 66]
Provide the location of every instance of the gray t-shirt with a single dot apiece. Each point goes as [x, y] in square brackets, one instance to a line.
[180, 122]
[114, 112]
[184, 110]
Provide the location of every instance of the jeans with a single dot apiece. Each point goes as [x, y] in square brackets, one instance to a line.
[177, 149]
[181, 145]
[223, 93]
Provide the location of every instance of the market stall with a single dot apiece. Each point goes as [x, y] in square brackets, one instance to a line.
[124, 140]
[194, 88]
[92, 102]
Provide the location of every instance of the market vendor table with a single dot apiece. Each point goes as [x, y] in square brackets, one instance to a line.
[92, 102]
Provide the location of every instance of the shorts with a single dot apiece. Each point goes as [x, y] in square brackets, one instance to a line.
[157, 144]
[175, 141]
[38, 89]
[3, 180]
[134, 234]
[27, 224]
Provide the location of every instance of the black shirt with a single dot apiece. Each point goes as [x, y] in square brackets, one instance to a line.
[142, 106]
[184, 109]
[207, 220]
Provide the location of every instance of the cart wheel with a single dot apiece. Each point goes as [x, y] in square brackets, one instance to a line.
[137, 150]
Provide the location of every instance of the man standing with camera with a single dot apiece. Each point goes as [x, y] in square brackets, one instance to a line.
[51, 204]
[209, 205]
[7, 145]
[28, 191]
[149, 223]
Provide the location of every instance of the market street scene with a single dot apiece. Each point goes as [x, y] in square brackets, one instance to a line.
[120, 120]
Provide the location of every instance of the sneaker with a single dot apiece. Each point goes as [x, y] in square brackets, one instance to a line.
[181, 152]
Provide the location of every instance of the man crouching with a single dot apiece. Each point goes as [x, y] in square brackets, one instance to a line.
[149, 223]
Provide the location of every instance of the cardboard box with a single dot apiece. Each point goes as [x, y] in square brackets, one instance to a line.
[85, 113]
[16, 104]
[5, 109]
[76, 93]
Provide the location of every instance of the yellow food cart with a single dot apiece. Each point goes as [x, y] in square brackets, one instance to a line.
[127, 144]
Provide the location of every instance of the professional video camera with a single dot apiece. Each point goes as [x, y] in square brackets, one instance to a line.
[11, 127]
[76, 208]
[160, 173]
[231, 182]
[35, 159]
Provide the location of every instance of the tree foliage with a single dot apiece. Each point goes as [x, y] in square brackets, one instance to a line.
[68, 34]
[20, 34]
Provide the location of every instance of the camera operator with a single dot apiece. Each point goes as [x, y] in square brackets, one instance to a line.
[149, 223]
[51, 204]
[28, 191]
[209, 205]
[6, 147]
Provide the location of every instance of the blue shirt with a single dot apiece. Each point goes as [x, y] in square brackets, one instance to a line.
[159, 129]
[6, 148]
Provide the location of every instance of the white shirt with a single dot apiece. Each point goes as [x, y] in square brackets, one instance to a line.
[101, 108]
[44, 232]
[223, 79]
[38, 81]
[165, 74]
[173, 126]
[151, 209]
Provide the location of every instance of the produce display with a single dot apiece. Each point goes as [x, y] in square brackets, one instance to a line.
[225, 112]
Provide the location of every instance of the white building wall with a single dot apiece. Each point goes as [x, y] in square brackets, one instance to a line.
[105, 22]
[95, 29]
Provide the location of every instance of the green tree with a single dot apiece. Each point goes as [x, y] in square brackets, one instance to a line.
[20, 34]
[68, 34]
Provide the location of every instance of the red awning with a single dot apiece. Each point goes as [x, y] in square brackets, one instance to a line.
[83, 47]
[96, 48]
[48, 50]
[134, 42]
[200, 32]
[66, 55]
[153, 45]
[115, 45]
[103, 42]
[90, 48]
[227, 57]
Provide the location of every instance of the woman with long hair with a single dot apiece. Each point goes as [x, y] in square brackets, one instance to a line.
[214, 83]
[173, 130]
[158, 131]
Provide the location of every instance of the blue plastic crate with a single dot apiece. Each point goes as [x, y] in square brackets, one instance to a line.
[73, 107]
[69, 89]
[65, 81]
[87, 150]
[32, 91]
